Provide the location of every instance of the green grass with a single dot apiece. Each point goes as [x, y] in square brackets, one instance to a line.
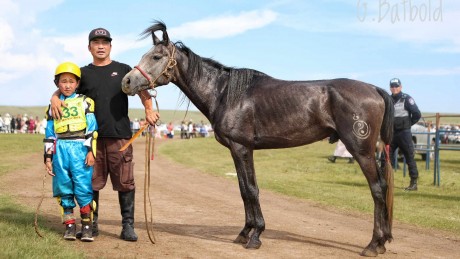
[19, 239]
[304, 172]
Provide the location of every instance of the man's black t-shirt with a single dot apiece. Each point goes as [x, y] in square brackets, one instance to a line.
[103, 85]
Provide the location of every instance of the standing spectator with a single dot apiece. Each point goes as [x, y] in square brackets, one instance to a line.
[170, 130]
[136, 126]
[101, 81]
[190, 129]
[183, 130]
[19, 124]
[2, 124]
[406, 115]
[42, 127]
[141, 124]
[7, 120]
[31, 125]
[341, 151]
[69, 146]
[13, 125]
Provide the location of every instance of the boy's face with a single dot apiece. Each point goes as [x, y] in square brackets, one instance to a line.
[67, 83]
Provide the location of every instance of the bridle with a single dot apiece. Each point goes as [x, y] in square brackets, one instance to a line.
[166, 71]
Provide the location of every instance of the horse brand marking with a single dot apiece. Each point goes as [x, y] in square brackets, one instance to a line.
[360, 128]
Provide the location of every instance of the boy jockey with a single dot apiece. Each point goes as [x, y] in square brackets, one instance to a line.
[70, 144]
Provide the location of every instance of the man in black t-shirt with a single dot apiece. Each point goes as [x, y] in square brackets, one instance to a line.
[101, 81]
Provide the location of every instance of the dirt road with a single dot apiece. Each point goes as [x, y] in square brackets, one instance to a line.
[198, 216]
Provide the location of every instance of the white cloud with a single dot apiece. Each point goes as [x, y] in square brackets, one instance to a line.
[224, 26]
[416, 22]
[22, 48]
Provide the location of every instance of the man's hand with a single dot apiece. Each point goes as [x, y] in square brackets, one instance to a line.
[89, 161]
[56, 104]
[151, 116]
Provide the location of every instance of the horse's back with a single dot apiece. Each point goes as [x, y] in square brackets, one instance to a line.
[275, 113]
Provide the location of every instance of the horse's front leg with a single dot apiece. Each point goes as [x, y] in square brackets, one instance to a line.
[244, 164]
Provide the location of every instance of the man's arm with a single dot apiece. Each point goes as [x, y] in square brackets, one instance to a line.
[56, 104]
[151, 116]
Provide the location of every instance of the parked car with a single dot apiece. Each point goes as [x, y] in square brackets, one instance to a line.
[420, 138]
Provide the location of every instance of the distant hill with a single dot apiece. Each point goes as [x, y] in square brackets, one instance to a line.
[166, 115]
[177, 116]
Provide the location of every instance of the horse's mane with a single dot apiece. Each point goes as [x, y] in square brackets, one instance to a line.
[239, 78]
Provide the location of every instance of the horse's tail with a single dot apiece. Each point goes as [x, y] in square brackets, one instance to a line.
[386, 134]
[386, 131]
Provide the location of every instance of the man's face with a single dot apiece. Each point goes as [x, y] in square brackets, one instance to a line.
[395, 89]
[100, 48]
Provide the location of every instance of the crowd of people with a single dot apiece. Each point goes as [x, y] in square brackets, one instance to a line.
[188, 130]
[22, 124]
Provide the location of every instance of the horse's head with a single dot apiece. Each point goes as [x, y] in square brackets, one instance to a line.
[155, 67]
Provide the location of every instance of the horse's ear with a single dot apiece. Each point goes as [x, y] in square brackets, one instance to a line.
[156, 40]
[165, 37]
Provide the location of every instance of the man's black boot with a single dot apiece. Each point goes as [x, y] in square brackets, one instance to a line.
[413, 185]
[95, 213]
[332, 159]
[126, 200]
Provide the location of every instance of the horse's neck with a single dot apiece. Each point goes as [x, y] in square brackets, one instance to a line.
[203, 92]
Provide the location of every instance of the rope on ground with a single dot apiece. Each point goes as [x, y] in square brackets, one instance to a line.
[149, 149]
[38, 208]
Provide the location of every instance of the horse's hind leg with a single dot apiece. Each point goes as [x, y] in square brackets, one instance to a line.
[244, 163]
[378, 187]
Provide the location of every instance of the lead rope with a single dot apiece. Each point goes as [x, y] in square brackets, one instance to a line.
[149, 155]
[38, 208]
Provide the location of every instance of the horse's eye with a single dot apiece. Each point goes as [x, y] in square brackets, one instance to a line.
[156, 57]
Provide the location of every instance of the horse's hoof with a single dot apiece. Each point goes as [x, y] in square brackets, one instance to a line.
[240, 240]
[381, 249]
[369, 253]
[253, 244]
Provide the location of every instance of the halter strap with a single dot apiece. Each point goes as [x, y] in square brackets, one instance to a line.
[171, 64]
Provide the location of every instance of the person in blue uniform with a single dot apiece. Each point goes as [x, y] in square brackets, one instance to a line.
[406, 114]
[69, 153]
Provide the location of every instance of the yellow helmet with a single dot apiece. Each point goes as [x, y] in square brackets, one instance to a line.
[68, 67]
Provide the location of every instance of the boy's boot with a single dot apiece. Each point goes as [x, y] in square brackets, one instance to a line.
[332, 159]
[70, 231]
[86, 229]
[94, 206]
[87, 223]
[126, 200]
[68, 219]
[413, 185]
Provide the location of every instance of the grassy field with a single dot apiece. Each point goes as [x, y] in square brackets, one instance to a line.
[16, 221]
[304, 172]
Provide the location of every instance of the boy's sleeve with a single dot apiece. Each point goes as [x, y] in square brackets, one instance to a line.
[91, 125]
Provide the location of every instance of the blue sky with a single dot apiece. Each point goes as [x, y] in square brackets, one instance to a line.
[417, 41]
